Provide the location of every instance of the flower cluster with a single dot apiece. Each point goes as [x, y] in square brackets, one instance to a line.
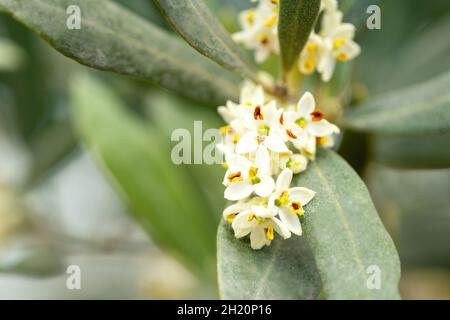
[264, 146]
[334, 42]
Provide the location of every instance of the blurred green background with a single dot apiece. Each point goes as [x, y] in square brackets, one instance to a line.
[59, 205]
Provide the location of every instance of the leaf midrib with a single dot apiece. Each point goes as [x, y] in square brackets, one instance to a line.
[343, 218]
[218, 37]
[204, 75]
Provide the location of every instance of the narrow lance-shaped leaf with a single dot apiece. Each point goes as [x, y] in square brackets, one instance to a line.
[420, 109]
[114, 39]
[284, 270]
[297, 19]
[354, 254]
[193, 20]
[158, 192]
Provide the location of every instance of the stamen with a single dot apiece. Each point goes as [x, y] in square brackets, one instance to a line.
[338, 42]
[281, 118]
[252, 172]
[269, 233]
[231, 217]
[301, 122]
[270, 21]
[311, 47]
[283, 199]
[342, 57]
[225, 165]
[236, 176]
[258, 114]
[317, 115]
[291, 134]
[250, 16]
[263, 40]
[296, 208]
[321, 140]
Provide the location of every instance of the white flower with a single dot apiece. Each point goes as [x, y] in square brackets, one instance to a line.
[288, 202]
[261, 224]
[338, 43]
[244, 177]
[307, 124]
[333, 43]
[295, 162]
[260, 29]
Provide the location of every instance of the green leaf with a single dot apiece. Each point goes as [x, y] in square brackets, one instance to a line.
[114, 39]
[345, 233]
[416, 110]
[297, 19]
[193, 20]
[284, 270]
[430, 151]
[158, 192]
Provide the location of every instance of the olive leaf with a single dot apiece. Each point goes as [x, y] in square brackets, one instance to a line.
[193, 20]
[429, 151]
[296, 21]
[420, 109]
[139, 163]
[114, 39]
[347, 238]
[284, 270]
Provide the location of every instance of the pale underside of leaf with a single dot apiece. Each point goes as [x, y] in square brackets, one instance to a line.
[284, 270]
[345, 232]
[420, 109]
[114, 39]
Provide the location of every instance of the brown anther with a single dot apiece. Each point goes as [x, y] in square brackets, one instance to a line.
[317, 115]
[282, 118]
[257, 114]
[291, 134]
[232, 176]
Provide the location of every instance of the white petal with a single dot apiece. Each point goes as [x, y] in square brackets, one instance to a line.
[275, 143]
[261, 55]
[247, 143]
[262, 211]
[291, 221]
[258, 98]
[238, 190]
[281, 228]
[242, 226]
[326, 67]
[301, 194]
[236, 208]
[284, 180]
[322, 128]
[306, 105]
[345, 30]
[258, 238]
[262, 160]
[351, 49]
[226, 114]
[265, 187]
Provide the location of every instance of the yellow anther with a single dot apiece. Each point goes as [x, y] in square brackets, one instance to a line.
[235, 138]
[231, 217]
[309, 65]
[312, 47]
[321, 140]
[248, 103]
[225, 165]
[338, 42]
[341, 56]
[250, 16]
[284, 198]
[252, 172]
[296, 208]
[270, 21]
[235, 176]
[263, 129]
[253, 216]
[224, 130]
[269, 233]
[301, 122]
